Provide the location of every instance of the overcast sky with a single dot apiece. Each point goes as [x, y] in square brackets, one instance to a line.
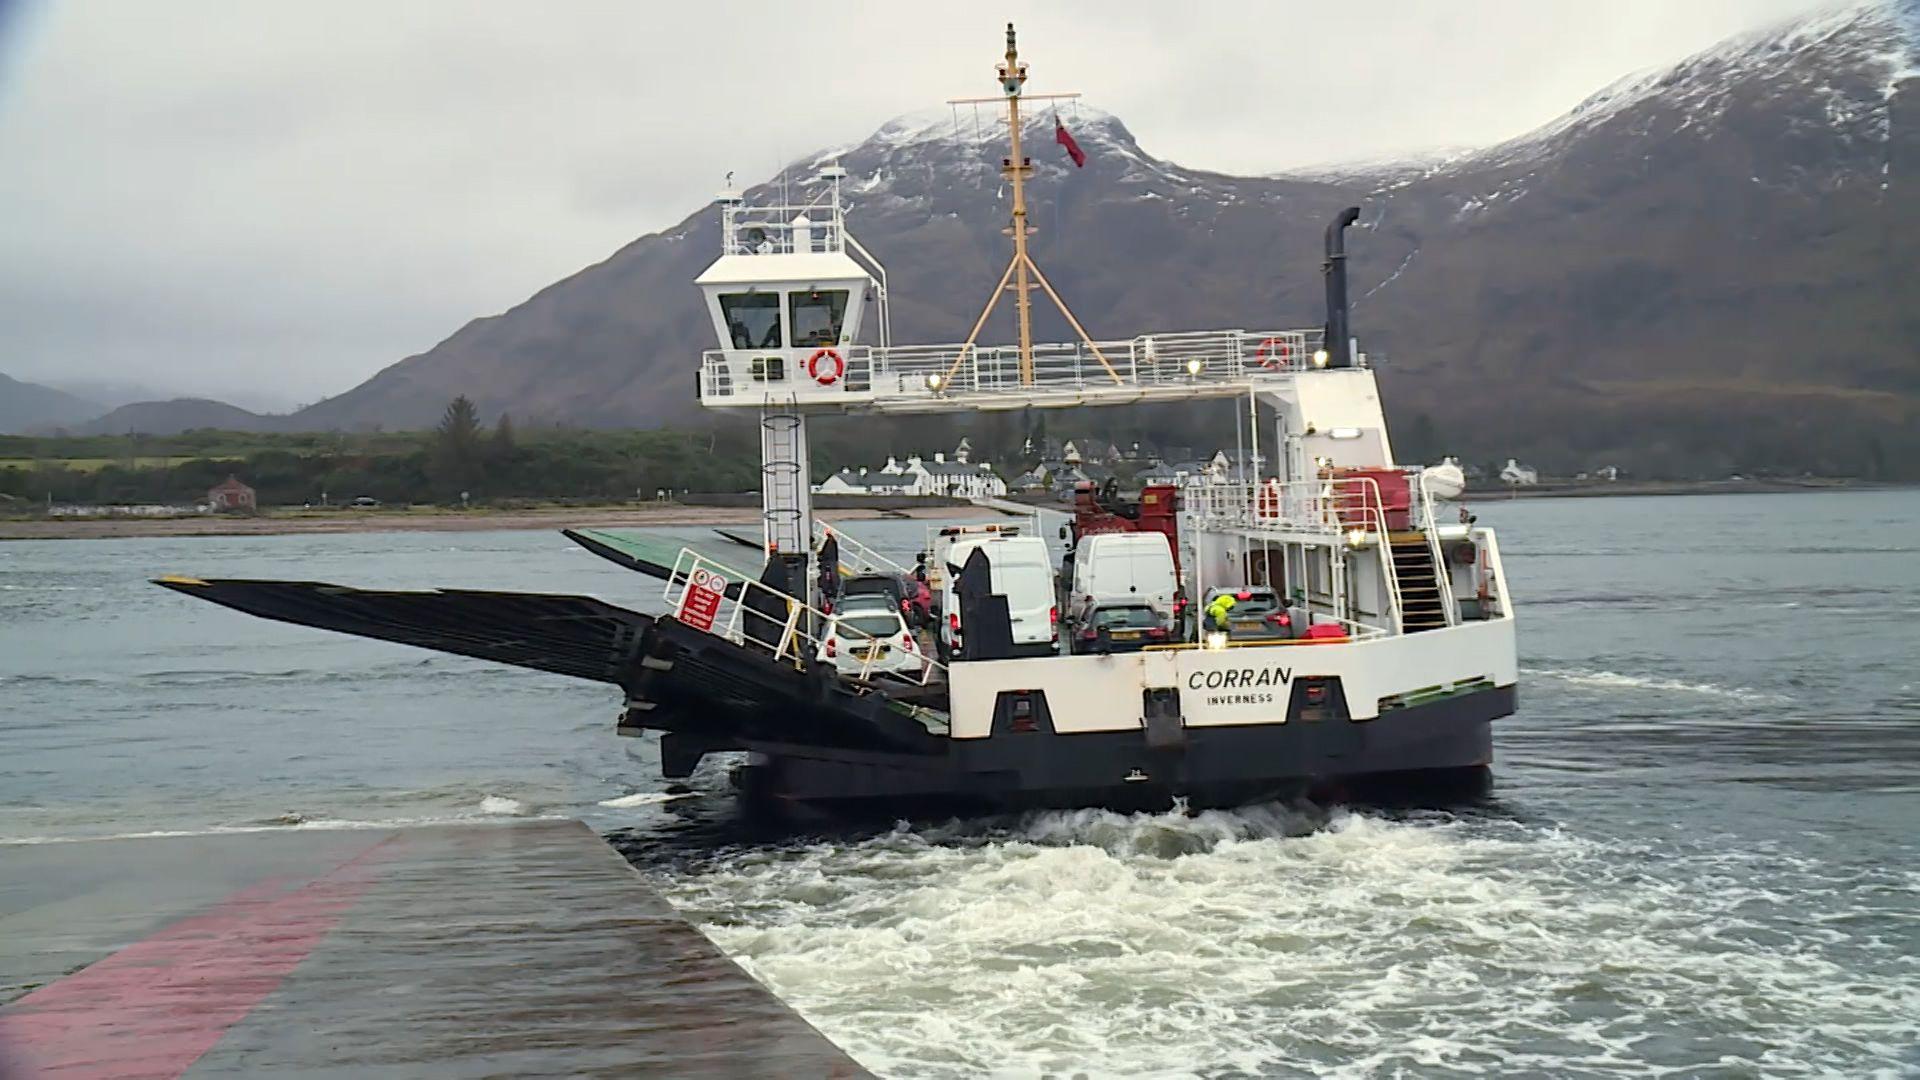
[266, 199]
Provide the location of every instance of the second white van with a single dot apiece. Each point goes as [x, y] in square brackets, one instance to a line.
[1021, 572]
[1113, 568]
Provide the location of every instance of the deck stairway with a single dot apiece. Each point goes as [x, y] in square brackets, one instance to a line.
[1422, 605]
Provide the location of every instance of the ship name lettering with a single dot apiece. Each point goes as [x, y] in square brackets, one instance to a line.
[1239, 677]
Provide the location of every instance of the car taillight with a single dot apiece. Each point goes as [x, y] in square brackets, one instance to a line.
[1157, 632]
[833, 646]
[1280, 618]
[906, 642]
[1053, 614]
[953, 622]
[1088, 634]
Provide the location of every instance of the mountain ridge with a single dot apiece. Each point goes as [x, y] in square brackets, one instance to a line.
[25, 405]
[169, 418]
[1740, 221]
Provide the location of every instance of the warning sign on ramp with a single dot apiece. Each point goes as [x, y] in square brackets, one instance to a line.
[702, 599]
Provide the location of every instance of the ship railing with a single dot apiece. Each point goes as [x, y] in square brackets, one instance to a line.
[931, 372]
[1490, 576]
[1344, 510]
[781, 626]
[1320, 507]
[1355, 631]
[855, 555]
[777, 230]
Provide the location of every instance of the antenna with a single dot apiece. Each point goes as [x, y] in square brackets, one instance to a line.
[1021, 269]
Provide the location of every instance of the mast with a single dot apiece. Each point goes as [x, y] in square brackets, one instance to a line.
[1021, 275]
[1013, 75]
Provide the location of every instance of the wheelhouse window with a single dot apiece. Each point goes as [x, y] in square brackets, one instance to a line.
[816, 316]
[753, 319]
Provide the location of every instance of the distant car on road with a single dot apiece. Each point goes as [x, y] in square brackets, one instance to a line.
[366, 502]
[1128, 626]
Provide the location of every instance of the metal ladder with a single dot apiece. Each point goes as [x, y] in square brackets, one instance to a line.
[1421, 584]
[786, 498]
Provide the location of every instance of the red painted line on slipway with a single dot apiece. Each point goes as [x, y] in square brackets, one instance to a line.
[153, 1008]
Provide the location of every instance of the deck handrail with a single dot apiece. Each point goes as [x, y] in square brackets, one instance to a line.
[930, 372]
[867, 558]
[793, 643]
[1325, 508]
[1490, 550]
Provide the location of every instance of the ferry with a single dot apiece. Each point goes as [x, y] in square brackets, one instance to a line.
[1386, 654]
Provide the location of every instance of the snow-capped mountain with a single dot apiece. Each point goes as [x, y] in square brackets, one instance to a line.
[1720, 257]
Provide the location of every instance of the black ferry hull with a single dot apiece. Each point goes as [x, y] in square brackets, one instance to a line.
[1436, 753]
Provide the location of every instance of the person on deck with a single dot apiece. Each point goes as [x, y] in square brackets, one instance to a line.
[829, 568]
[1217, 611]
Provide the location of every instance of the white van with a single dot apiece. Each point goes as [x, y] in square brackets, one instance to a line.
[1113, 568]
[1022, 573]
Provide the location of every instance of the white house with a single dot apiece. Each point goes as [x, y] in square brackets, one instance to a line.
[1518, 475]
[849, 482]
[957, 479]
[1226, 468]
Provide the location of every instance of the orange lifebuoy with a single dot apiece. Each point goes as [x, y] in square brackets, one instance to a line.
[1274, 353]
[826, 378]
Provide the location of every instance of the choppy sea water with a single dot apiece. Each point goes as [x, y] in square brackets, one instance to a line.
[1699, 859]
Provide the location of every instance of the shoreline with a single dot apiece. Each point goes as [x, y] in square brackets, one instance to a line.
[298, 521]
[301, 522]
[1599, 489]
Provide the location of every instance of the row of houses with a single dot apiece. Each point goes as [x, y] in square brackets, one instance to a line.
[1223, 467]
[1074, 461]
[1514, 474]
[959, 478]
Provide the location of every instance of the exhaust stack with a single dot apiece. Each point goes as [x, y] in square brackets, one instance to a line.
[1339, 335]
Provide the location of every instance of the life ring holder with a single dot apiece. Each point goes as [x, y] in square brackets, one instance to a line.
[814, 366]
[1274, 353]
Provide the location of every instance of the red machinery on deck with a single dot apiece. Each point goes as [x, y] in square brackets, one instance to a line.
[1389, 493]
[1097, 511]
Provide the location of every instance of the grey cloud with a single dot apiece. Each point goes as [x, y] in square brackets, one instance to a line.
[190, 187]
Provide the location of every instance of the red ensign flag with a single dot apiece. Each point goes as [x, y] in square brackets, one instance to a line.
[1061, 136]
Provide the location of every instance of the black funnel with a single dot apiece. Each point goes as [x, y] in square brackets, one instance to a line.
[1339, 344]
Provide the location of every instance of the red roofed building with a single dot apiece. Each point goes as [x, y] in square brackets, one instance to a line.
[230, 494]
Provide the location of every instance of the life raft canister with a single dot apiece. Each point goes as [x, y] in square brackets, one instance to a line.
[826, 374]
[1274, 353]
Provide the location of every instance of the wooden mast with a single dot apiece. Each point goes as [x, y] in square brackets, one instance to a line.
[1020, 269]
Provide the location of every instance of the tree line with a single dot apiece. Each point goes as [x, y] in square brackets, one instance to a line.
[499, 462]
[460, 456]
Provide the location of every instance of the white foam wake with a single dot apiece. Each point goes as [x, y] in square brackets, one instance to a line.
[1106, 944]
[640, 798]
[500, 804]
[1617, 680]
[290, 821]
